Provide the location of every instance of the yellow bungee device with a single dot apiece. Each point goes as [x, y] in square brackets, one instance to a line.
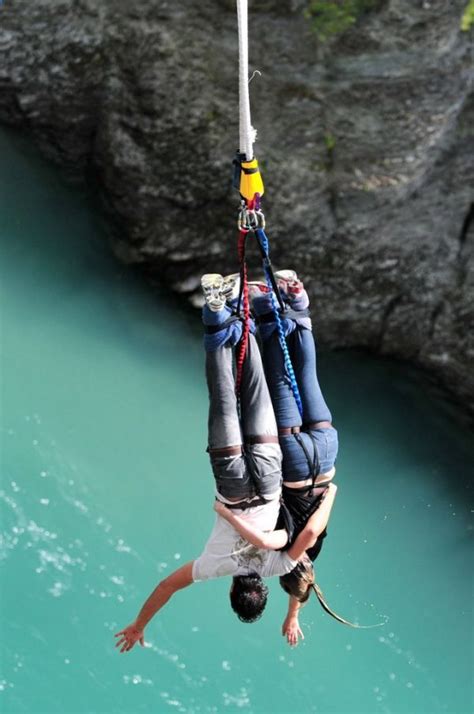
[251, 181]
[247, 177]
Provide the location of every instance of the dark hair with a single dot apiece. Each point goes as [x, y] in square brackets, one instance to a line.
[248, 597]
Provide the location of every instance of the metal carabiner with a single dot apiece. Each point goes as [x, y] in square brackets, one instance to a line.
[259, 215]
[250, 219]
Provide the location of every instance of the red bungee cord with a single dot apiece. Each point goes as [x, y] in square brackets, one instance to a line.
[243, 345]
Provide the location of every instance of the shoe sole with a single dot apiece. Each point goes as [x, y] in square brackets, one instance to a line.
[231, 286]
[210, 280]
[289, 282]
[287, 275]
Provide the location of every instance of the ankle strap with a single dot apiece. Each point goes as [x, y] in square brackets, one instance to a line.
[212, 329]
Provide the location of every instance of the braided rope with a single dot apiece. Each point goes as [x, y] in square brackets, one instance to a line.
[262, 238]
[244, 340]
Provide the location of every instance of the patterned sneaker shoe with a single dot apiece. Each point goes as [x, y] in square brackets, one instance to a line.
[231, 287]
[212, 284]
[260, 298]
[289, 284]
[257, 289]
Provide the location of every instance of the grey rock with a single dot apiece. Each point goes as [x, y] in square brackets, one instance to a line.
[144, 98]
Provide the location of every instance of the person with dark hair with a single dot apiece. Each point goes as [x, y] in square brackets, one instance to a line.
[300, 580]
[248, 595]
[246, 461]
[308, 440]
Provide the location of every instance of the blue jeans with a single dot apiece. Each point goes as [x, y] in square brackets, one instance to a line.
[312, 449]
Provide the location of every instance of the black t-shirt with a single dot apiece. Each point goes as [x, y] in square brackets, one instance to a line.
[301, 504]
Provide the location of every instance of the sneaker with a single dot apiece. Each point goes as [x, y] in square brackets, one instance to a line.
[261, 298]
[258, 289]
[212, 284]
[231, 287]
[289, 283]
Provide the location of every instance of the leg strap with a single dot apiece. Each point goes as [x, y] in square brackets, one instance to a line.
[212, 329]
[287, 431]
[312, 462]
[226, 451]
[262, 439]
[315, 459]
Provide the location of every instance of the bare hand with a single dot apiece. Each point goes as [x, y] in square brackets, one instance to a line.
[291, 629]
[129, 638]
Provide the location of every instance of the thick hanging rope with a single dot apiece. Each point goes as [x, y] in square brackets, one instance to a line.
[250, 185]
[246, 141]
[246, 130]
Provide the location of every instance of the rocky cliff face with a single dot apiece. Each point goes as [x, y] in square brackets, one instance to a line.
[366, 145]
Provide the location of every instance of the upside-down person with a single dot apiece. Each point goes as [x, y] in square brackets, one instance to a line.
[308, 440]
[246, 461]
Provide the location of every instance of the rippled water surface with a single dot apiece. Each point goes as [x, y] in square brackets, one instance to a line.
[106, 487]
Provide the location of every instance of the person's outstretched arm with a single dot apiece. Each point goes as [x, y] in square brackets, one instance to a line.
[315, 525]
[134, 633]
[261, 539]
[291, 626]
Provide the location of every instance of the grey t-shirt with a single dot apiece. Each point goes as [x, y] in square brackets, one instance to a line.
[227, 553]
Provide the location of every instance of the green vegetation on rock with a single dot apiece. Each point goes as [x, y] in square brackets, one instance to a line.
[330, 141]
[333, 17]
[467, 19]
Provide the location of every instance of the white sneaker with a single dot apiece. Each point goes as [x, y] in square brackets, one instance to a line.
[289, 283]
[257, 288]
[231, 287]
[212, 284]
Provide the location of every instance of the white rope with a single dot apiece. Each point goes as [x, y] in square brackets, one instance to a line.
[246, 131]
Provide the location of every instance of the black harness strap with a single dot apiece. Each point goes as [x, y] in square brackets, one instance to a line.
[315, 459]
[212, 329]
[268, 265]
[237, 163]
[313, 463]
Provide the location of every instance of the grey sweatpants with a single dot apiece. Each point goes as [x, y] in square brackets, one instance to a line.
[258, 469]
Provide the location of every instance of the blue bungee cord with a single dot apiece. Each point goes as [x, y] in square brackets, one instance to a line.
[265, 246]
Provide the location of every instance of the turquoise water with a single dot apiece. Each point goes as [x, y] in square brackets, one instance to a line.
[103, 492]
